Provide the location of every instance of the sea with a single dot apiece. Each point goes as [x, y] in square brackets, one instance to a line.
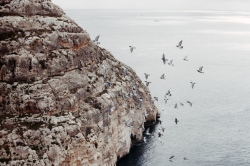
[215, 131]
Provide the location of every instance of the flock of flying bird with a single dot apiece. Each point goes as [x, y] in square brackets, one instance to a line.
[167, 95]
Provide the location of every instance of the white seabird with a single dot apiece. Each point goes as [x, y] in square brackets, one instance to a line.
[147, 131]
[185, 58]
[146, 75]
[192, 84]
[132, 48]
[171, 62]
[180, 45]
[147, 83]
[164, 59]
[190, 103]
[162, 76]
[96, 38]
[200, 70]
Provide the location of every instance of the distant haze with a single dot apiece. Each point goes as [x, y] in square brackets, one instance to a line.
[243, 5]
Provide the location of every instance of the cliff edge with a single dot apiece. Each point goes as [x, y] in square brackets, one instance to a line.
[63, 99]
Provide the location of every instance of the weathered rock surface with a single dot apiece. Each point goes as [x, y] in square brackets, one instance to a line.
[63, 99]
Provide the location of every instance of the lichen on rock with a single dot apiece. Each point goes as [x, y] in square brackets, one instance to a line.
[63, 99]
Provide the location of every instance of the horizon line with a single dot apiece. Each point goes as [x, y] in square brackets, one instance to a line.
[163, 10]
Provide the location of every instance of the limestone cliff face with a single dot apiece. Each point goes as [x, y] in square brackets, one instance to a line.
[63, 99]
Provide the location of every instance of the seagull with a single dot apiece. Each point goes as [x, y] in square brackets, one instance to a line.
[146, 75]
[132, 48]
[166, 100]
[161, 141]
[147, 83]
[171, 62]
[162, 128]
[162, 76]
[156, 98]
[180, 45]
[168, 93]
[96, 38]
[144, 139]
[147, 131]
[164, 59]
[189, 103]
[185, 58]
[200, 70]
[171, 157]
[176, 121]
[181, 104]
[175, 106]
[185, 158]
[159, 133]
[192, 84]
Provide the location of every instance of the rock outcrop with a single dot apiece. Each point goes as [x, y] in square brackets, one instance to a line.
[63, 99]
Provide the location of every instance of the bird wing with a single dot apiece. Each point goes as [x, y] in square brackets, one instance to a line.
[180, 43]
[131, 49]
[163, 57]
[201, 68]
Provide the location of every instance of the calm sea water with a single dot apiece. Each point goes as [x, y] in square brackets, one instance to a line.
[216, 130]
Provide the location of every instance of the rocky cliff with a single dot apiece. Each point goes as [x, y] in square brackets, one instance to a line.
[63, 99]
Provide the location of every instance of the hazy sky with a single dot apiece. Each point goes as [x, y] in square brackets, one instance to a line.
[156, 4]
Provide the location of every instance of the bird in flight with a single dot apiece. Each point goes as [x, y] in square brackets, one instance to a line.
[168, 93]
[192, 84]
[156, 98]
[162, 76]
[175, 106]
[132, 48]
[185, 58]
[147, 131]
[146, 75]
[96, 38]
[171, 157]
[166, 100]
[180, 45]
[147, 83]
[171, 62]
[159, 133]
[176, 121]
[190, 103]
[200, 70]
[164, 59]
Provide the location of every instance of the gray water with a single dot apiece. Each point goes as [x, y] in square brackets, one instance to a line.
[215, 131]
